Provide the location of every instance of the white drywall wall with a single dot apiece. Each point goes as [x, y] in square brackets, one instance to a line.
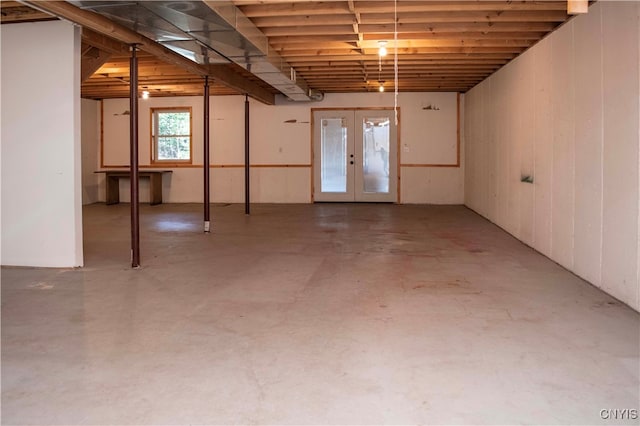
[427, 137]
[41, 168]
[90, 117]
[567, 114]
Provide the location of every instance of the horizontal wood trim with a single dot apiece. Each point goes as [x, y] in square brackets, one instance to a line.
[264, 166]
[281, 165]
[352, 109]
[199, 166]
[429, 165]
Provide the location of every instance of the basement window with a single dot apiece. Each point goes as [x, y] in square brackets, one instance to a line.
[171, 135]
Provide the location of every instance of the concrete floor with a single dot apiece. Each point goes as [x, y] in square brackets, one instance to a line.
[312, 314]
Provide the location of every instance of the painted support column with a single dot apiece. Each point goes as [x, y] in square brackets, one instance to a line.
[206, 168]
[133, 158]
[247, 200]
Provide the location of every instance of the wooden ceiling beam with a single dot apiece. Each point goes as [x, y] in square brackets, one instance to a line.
[405, 77]
[103, 42]
[265, 9]
[464, 6]
[442, 44]
[456, 27]
[349, 70]
[105, 26]
[478, 35]
[227, 76]
[428, 58]
[421, 60]
[429, 87]
[14, 12]
[350, 41]
[89, 63]
[293, 9]
[460, 27]
[354, 71]
[372, 47]
[457, 16]
[303, 20]
[154, 70]
[145, 84]
[308, 30]
[423, 54]
[410, 18]
[406, 72]
[120, 62]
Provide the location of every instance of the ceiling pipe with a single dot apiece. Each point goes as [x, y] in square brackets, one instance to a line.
[109, 28]
[258, 57]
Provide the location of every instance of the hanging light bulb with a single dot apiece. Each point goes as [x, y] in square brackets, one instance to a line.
[145, 94]
[381, 87]
[382, 48]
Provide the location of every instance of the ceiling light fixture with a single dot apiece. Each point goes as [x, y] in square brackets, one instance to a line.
[145, 94]
[381, 87]
[382, 48]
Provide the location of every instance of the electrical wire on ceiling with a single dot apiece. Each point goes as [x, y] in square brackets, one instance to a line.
[380, 82]
[395, 57]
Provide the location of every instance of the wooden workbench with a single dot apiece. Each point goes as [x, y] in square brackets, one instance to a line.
[113, 186]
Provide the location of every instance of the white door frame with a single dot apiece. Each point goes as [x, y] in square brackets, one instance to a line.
[355, 137]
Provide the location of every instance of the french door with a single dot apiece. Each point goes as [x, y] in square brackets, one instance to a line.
[355, 155]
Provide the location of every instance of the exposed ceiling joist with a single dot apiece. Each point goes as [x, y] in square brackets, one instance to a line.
[92, 59]
[332, 45]
[13, 11]
[254, 9]
[105, 26]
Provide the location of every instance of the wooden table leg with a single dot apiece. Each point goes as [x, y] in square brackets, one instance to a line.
[155, 186]
[113, 190]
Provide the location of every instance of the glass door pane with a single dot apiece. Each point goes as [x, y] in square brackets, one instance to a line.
[376, 173]
[333, 147]
[355, 155]
[375, 154]
[333, 155]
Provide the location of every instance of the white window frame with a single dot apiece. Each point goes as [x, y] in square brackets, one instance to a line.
[154, 135]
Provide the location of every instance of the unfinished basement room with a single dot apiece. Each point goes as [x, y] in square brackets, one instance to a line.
[302, 212]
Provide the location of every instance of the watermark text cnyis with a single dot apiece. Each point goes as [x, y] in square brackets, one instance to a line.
[619, 413]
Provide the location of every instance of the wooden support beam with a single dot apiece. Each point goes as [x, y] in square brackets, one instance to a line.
[450, 27]
[277, 9]
[225, 75]
[13, 12]
[105, 26]
[411, 18]
[90, 63]
[576, 7]
[103, 42]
